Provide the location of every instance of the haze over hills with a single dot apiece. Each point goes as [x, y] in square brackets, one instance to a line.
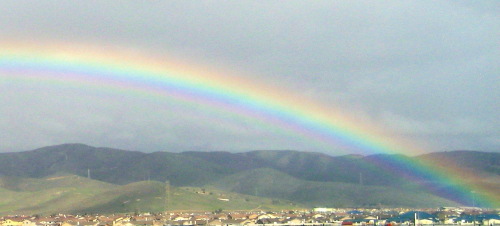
[272, 183]
[306, 179]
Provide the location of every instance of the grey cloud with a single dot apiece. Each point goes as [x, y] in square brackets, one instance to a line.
[424, 69]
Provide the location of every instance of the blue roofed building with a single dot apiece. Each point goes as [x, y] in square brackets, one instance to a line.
[421, 218]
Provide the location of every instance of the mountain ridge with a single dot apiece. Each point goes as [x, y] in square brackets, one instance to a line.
[194, 168]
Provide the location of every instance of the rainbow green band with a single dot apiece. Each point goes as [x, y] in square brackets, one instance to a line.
[280, 108]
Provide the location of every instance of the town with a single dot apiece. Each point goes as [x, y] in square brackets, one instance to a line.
[316, 216]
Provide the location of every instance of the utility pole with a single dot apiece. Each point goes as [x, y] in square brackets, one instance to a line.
[474, 206]
[88, 173]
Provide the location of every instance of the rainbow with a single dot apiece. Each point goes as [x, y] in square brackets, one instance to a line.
[147, 76]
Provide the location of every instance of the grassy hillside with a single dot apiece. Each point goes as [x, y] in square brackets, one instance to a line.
[336, 178]
[74, 194]
[149, 196]
[272, 183]
[47, 195]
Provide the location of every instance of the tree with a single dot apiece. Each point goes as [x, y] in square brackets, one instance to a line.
[217, 211]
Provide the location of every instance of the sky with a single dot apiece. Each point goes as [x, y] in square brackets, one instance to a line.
[424, 72]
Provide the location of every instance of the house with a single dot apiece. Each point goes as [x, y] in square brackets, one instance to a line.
[124, 224]
[268, 221]
[215, 222]
[266, 216]
[142, 223]
[295, 221]
[317, 216]
[323, 210]
[355, 212]
[485, 219]
[68, 223]
[221, 216]
[371, 220]
[491, 221]
[253, 216]
[201, 217]
[185, 222]
[181, 218]
[236, 216]
[12, 222]
[233, 222]
[420, 217]
[425, 221]
[466, 220]
[450, 220]
[357, 222]
[28, 222]
[46, 221]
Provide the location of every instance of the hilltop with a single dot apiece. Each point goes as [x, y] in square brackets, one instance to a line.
[303, 178]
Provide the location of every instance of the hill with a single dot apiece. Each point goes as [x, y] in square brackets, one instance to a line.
[74, 194]
[338, 178]
[272, 183]
[47, 195]
[486, 163]
[110, 165]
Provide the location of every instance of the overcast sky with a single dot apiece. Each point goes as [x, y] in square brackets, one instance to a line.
[426, 71]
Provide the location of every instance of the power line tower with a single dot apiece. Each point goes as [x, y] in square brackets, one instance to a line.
[167, 195]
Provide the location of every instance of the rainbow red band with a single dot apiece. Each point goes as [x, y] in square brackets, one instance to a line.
[291, 114]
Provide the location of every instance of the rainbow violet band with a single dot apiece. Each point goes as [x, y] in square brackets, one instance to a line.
[145, 76]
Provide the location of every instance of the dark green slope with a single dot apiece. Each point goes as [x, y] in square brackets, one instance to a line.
[179, 169]
[323, 173]
[111, 165]
[272, 183]
[260, 182]
[198, 168]
[67, 158]
[481, 162]
[233, 161]
[320, 167]
[304, 165]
